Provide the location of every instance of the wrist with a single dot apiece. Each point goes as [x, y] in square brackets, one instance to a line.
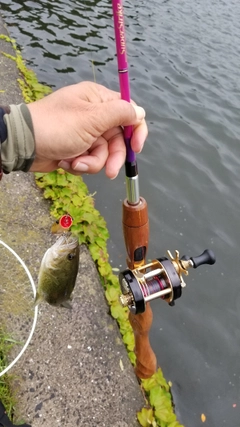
[18, 147]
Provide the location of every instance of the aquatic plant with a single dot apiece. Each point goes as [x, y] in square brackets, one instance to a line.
[31, 89]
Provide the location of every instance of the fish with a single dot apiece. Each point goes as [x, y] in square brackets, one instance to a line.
[58, 272]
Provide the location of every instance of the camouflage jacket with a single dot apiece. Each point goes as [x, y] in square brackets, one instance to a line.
[16, 138]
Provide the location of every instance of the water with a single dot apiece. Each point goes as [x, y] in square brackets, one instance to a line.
[184, 69]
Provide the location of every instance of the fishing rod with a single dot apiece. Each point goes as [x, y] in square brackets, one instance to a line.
[131, 169]
[134, 213]
[161, 278]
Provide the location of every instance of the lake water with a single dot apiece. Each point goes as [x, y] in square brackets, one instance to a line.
[184, 62]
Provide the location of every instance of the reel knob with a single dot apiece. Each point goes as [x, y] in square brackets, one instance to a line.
[207, 257]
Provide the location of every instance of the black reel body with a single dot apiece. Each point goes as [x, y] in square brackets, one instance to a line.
[161, 278]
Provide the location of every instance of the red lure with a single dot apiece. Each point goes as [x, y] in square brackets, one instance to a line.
[66, 221]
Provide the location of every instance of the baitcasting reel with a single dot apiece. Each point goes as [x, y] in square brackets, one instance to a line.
[161, 278]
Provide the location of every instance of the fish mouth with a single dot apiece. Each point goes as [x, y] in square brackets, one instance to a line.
[66, 242]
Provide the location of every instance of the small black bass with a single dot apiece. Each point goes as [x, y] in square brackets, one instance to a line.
[58, 271]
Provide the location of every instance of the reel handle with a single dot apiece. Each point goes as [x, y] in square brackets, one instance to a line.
[207, 257]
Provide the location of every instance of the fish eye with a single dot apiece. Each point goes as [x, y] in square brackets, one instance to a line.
[70, 256]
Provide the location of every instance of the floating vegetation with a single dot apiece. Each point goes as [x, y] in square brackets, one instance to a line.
[31, 89]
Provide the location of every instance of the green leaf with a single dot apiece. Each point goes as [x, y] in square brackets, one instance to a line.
[149, 383]
[157, 395]
[114, 281]
[61, 180]
[161, 380]
[94, 250]
[89, 232]
[162, 413]
[75, 213]
[145, 417]
[125, 327]
[118, 311]
[101, 242]
[132, 357]
[39, 175]
[82, 239]
[77, 200]
[128, 339]
[105, 270]
[65, 193]
[172, 418]
[51, 178]
[112, 294]
[49, 194]
[88, 217]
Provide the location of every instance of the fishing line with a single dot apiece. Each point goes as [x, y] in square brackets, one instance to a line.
[35, 309]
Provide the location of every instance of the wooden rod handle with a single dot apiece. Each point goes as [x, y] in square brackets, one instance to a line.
[146, 363]
[135, 232]
[136, 235]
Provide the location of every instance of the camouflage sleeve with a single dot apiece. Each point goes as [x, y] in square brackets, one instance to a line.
[17, 138]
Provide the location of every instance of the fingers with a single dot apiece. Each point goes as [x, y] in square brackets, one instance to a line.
[94, 161]
[109, 154]
[116, 155]
[114, 113]
[139, 137]
[108, 151]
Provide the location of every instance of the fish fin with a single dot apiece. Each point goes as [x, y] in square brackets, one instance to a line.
[66, 304]
[38, 299]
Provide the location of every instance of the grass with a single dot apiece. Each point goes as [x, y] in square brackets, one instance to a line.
[6, 395]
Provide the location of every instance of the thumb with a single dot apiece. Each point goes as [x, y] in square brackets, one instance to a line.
[117, 113]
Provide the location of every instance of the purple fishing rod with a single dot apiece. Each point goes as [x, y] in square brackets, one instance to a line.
[131, 169]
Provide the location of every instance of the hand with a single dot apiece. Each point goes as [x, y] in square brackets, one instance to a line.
[79, 128]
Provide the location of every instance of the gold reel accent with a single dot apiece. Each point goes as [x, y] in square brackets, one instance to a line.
[180, 266]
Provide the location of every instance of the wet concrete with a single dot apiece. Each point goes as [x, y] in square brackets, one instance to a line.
[75, 371]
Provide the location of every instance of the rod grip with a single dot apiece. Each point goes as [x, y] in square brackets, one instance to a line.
[135, 232]
[146, 363]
